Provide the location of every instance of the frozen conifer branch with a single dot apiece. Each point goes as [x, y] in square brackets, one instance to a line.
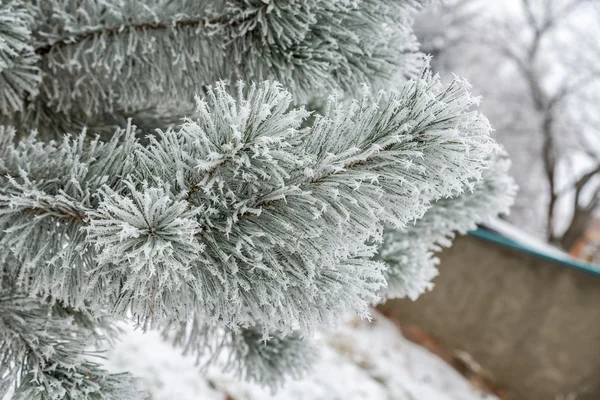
[265, 221]
[19, 74]
[43, 354]
[409, 252]
[251, 352]
[267, 359]
[248, 225]
[101, 56]
[244, 239]
[46, 193]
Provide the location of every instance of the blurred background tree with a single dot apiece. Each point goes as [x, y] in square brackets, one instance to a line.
[537, 65]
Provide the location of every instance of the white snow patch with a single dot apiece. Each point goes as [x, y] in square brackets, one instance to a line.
[515, 234]
[360, 360]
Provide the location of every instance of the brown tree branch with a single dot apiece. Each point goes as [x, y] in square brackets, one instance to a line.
[582, 214]
[62, 213]
[583, 181]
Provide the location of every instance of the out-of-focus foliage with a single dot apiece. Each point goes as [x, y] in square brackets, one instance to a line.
[546, 54]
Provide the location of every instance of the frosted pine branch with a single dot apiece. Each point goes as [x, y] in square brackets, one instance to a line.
[45, 190]
[283, 214]
[19, 74]
[409, 252]
[101, 57]
[249, 223]
[251, 353]
[269, 360]
[43, 356]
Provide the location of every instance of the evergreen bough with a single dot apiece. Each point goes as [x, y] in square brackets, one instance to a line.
[238, 220]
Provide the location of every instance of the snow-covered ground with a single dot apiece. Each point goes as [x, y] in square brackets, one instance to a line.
[360, 360]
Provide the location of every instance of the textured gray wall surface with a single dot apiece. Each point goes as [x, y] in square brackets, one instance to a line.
[534, 324]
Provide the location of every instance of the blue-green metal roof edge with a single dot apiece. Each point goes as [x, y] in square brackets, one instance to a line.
[496, 238]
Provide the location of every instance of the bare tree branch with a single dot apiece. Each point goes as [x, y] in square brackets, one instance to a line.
[581, 183]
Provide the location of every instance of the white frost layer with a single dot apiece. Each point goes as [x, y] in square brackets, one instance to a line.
[360, 360]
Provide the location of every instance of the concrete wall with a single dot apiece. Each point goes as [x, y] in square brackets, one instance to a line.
[534, 324]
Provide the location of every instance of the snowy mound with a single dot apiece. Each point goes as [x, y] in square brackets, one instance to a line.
[361, 360]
